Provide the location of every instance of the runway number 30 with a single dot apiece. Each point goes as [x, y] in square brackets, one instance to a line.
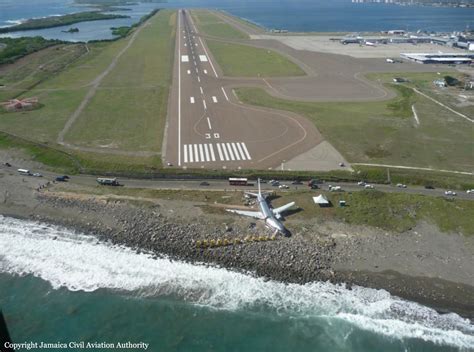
[216, 136]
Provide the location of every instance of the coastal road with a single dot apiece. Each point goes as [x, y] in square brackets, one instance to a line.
[209, 128]
[223, 185]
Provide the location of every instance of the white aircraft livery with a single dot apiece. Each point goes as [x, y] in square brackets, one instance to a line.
[267, 214]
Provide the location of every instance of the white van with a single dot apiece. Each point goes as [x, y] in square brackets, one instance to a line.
[24, 172]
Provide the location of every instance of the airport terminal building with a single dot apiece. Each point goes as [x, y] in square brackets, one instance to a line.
[441, 58]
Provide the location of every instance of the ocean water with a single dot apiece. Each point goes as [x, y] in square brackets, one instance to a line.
[60, 286]
[293, 15]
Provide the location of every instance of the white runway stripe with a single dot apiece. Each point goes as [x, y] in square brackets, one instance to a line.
[211, 149]
[246, 151]
[241, 151]
[214, 99]
[201, 152]
[232, 157]
[185, 153]
[224, 149]
[184, 58]
[191, 100]
[204, 103]
[191, 157]
[225, 94]
[189, 72]
[234, 148]
[206, 152]
[205, 72]
[219, 151]
[196, 154]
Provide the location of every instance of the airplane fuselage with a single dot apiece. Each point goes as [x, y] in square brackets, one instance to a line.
[270, 220]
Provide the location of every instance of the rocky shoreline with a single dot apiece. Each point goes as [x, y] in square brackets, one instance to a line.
[299, 259]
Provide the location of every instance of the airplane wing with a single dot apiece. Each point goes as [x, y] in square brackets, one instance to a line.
[252, 214]
[251, 194]
[281, 209]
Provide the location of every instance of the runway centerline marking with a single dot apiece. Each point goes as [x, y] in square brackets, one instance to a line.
[225, 94]
[209, 123]
[204, 103]
[199, 79]
[200, 88]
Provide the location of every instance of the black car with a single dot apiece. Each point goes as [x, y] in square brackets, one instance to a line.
[314, 186]
[429, 187]
[204, 183]
[61, 178]
[296, 182]
[8, 165]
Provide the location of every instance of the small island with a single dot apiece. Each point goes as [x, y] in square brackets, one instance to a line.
[71, 30]
[58, 21]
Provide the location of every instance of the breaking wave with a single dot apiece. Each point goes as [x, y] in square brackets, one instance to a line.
[80, 262]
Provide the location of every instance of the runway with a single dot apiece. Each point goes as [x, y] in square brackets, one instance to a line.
[209, 128]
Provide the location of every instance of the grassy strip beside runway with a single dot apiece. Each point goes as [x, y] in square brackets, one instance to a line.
[384, 132]
[212, 25]
[246, 61]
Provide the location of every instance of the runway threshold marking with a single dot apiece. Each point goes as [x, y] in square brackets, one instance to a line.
[191, 100]
[196, 152]
[201, 152]
[225, 94]
[247, 154]
[209, 123]
[234, 148]
[190, 148]
[219, 150]
[214, 99]
[241, 151]
[231, 153]
[211, 149]
[206, 152]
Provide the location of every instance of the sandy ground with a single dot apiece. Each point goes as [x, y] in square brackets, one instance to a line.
[323, 44]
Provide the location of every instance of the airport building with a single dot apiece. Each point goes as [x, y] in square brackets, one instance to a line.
[441, 58]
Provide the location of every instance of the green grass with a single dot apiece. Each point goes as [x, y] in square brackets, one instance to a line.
[212, 25]
[55, 158]
[247, 61]
[129, 110]
[384, 132]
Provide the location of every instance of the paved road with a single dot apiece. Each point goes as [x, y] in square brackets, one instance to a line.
[209, 128]
[221, 185]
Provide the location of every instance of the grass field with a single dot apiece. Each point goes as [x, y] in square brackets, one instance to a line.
[246, 61]
[129, 109]
[212, 25]
[27, 73]
[385, 132]
[388, 211]
[450, 96]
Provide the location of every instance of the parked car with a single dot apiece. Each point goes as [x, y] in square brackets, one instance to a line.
[401, 185]
[204, 183]
[470, 191]
[283, 187]
[297, 182]
[361, 183]
[429, 187]
[450, 193]
[335, 188]
[61, 178]
[37, 174]
[263, 181]
[8, 165]
[315, 186]
[369, 186]
[275, 183]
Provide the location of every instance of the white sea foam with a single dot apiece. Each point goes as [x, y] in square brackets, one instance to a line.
[80, 262]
